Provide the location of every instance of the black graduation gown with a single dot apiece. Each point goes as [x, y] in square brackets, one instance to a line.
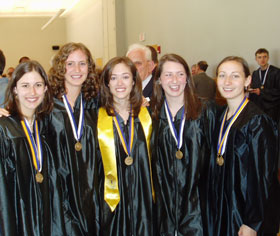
[243, 190]
[179, 203]
[269, 98]
[27, 207]
[133, 215]
[77, 170]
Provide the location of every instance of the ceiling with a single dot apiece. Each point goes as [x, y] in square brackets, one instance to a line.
[19, 8]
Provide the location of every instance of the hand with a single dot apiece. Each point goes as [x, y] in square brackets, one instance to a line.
[145, 101]
[256, 91]
[246, 231]
[4, 112]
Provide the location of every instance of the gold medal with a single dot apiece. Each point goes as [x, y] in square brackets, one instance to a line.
[78, 146]
[39, 177]
[262, 87]
[179, 155]
[128, 160]
[220, 160]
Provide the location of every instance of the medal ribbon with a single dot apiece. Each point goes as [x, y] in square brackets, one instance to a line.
[178, 139]
[127, 148]
[107, 149]
[35, 145]
[76, 131]
[223, 137]
[260, 74]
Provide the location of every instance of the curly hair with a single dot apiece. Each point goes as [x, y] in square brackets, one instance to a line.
[58, 70]
[106, 96]
[11, 101]
[191, 102]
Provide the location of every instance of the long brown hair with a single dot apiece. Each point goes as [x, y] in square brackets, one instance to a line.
[11, 101]
[106, 97]
[58, 70]
[191, 102]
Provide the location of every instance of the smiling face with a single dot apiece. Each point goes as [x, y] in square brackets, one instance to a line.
[30, 90]
[121, 82]
[231, 81]
[173, 79]
[76, 69]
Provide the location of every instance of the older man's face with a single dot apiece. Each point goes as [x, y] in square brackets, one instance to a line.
[142, 64]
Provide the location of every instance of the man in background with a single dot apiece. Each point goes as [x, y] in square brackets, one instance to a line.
[205, 86]
[265, 85]
[3, 80]
[141, 56]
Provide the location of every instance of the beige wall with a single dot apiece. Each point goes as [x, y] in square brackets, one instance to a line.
[204, 29]
[23, 37]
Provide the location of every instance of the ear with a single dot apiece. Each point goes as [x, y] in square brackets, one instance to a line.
[248, 80]
[152, 66]
[46, 88]
[15, 90]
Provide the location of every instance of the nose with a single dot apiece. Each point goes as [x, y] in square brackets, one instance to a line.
[228, 80]
[33, 90]
[119, 81]
[77, 67]
[174, 78]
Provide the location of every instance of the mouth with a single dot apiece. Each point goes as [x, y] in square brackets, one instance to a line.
[75, 77]
[174, 88]
[228, 89]
[32, 100]
[120, 90]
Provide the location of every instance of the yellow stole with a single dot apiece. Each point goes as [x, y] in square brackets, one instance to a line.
[107, 148]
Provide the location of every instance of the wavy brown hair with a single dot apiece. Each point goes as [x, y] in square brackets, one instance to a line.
[106, 97]
[191, 102]
[11, 101]
[58, 70]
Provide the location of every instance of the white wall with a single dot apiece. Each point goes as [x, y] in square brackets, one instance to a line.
[204, 29]
[92, 22]
[84, 24]
[22, 36]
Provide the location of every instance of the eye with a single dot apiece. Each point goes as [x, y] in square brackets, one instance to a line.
[235, 76]
[168, 75]
[83, 63]
[221, 76]
[69, 63]
[113, 77]
[39, 85]
[126, 76]
[181, 74]
[24, 85]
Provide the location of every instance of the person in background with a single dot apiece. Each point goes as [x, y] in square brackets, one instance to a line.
[24, 59]
[10, 71]
[124, 129]
[27, 174]
[154, 55]
[205, 86]
[180, 144]
[3, 80]
[194, 69]
[242, 179]
[142, 58]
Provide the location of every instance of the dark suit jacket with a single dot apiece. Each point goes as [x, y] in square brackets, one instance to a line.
[148, 90]
[205, 86]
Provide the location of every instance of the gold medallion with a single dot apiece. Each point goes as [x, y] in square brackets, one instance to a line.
[128, 160]
[39, 177]
[220, 160]
[179, 155]
[78, 146]
[262, 87]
